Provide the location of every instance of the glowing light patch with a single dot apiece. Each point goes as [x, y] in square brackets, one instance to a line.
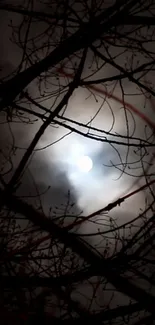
[85, 164]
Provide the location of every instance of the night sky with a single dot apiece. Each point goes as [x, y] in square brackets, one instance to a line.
[53, 169]
[54, 163]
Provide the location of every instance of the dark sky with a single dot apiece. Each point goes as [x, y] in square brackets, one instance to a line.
[54, 163]
[52, 170]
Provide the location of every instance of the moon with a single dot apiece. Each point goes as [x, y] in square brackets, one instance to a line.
[85, 164]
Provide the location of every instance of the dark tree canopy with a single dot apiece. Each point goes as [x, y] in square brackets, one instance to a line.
[77, 81]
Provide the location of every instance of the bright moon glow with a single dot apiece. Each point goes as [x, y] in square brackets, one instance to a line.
[85, 164]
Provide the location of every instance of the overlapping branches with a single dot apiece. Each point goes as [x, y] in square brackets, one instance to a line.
[58, 257]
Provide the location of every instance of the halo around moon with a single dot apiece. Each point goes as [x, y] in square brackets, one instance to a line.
[85, 164]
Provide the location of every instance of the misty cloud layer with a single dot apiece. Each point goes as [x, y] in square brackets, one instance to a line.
[55, 164]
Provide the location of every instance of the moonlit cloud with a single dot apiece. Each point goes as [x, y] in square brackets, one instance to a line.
[104, 183]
